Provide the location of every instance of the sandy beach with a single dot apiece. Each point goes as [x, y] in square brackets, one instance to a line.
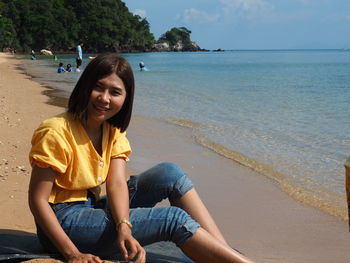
[255, 216]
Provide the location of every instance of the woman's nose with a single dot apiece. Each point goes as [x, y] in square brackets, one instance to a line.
[104, 96]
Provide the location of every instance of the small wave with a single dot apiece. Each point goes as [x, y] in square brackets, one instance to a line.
[185, 123]
[320, 198]
[331, 203]
[334, 204]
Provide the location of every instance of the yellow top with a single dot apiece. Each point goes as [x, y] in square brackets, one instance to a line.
[62, 144]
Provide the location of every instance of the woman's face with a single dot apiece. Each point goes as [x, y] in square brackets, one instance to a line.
[106, 99]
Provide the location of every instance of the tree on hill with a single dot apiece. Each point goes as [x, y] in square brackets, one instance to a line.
[8, 36]
[176, 39]
[103, 25]
[176, 34]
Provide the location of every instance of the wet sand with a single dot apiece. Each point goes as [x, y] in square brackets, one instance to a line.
[255, 216]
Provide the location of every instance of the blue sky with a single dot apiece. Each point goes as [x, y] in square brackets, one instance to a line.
[252, 24]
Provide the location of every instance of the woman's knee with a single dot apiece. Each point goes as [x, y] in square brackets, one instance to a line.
[163, 181]
[171, 170]
[176, 180]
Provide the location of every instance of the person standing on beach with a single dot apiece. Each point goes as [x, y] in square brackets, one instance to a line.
[74, 153]
[32, 55]
[79, 59]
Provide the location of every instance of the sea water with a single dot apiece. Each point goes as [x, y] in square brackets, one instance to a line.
[284, 113]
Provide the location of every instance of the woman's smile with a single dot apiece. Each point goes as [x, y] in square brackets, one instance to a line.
[100, 108]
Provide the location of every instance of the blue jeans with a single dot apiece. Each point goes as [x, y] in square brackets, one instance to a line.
[91, 227]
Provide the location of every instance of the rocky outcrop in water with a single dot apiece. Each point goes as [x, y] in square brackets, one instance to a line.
[179, 46]
[176, 39]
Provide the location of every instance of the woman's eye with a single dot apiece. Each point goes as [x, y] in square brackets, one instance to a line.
[98, 87]
[116, 92]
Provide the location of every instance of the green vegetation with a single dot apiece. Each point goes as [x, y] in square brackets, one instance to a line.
[177, 39]
[176, 35]
[58, 25]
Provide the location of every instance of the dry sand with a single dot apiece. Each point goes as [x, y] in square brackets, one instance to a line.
[22, 108]
[254, 215]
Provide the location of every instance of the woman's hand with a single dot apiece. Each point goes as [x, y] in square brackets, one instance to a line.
[127, 242]
[118, 197]
[84, 258]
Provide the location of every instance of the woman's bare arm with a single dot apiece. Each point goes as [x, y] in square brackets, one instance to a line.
[118, 197]
[40, 186]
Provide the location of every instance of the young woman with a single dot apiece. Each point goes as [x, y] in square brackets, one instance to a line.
[74, 153]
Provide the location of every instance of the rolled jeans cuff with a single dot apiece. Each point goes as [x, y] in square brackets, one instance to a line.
[185, 232]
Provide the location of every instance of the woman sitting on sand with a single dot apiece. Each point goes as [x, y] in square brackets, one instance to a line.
[73, 153]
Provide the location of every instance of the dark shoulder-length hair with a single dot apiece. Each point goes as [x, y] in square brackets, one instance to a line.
[102, 66]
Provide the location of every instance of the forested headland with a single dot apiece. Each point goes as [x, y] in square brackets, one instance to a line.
[103, 25]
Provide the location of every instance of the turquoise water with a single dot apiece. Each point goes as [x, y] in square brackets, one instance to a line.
[285, 113]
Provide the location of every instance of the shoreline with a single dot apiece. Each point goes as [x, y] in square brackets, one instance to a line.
[334, 204]
[256, 217]
[308, 189]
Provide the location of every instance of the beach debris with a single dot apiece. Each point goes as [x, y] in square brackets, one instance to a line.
[22, 168]
[46, 52]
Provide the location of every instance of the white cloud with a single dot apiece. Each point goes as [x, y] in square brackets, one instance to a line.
[194, 15]
[140, 12]
[246, 9]
[230, 11]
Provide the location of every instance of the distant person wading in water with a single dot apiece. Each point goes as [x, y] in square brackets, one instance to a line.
[61, 68]
[142, 66]
[75, 152]
[79, 59]
[69, 68]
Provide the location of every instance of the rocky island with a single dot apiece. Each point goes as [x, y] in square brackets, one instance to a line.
[176, 39]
